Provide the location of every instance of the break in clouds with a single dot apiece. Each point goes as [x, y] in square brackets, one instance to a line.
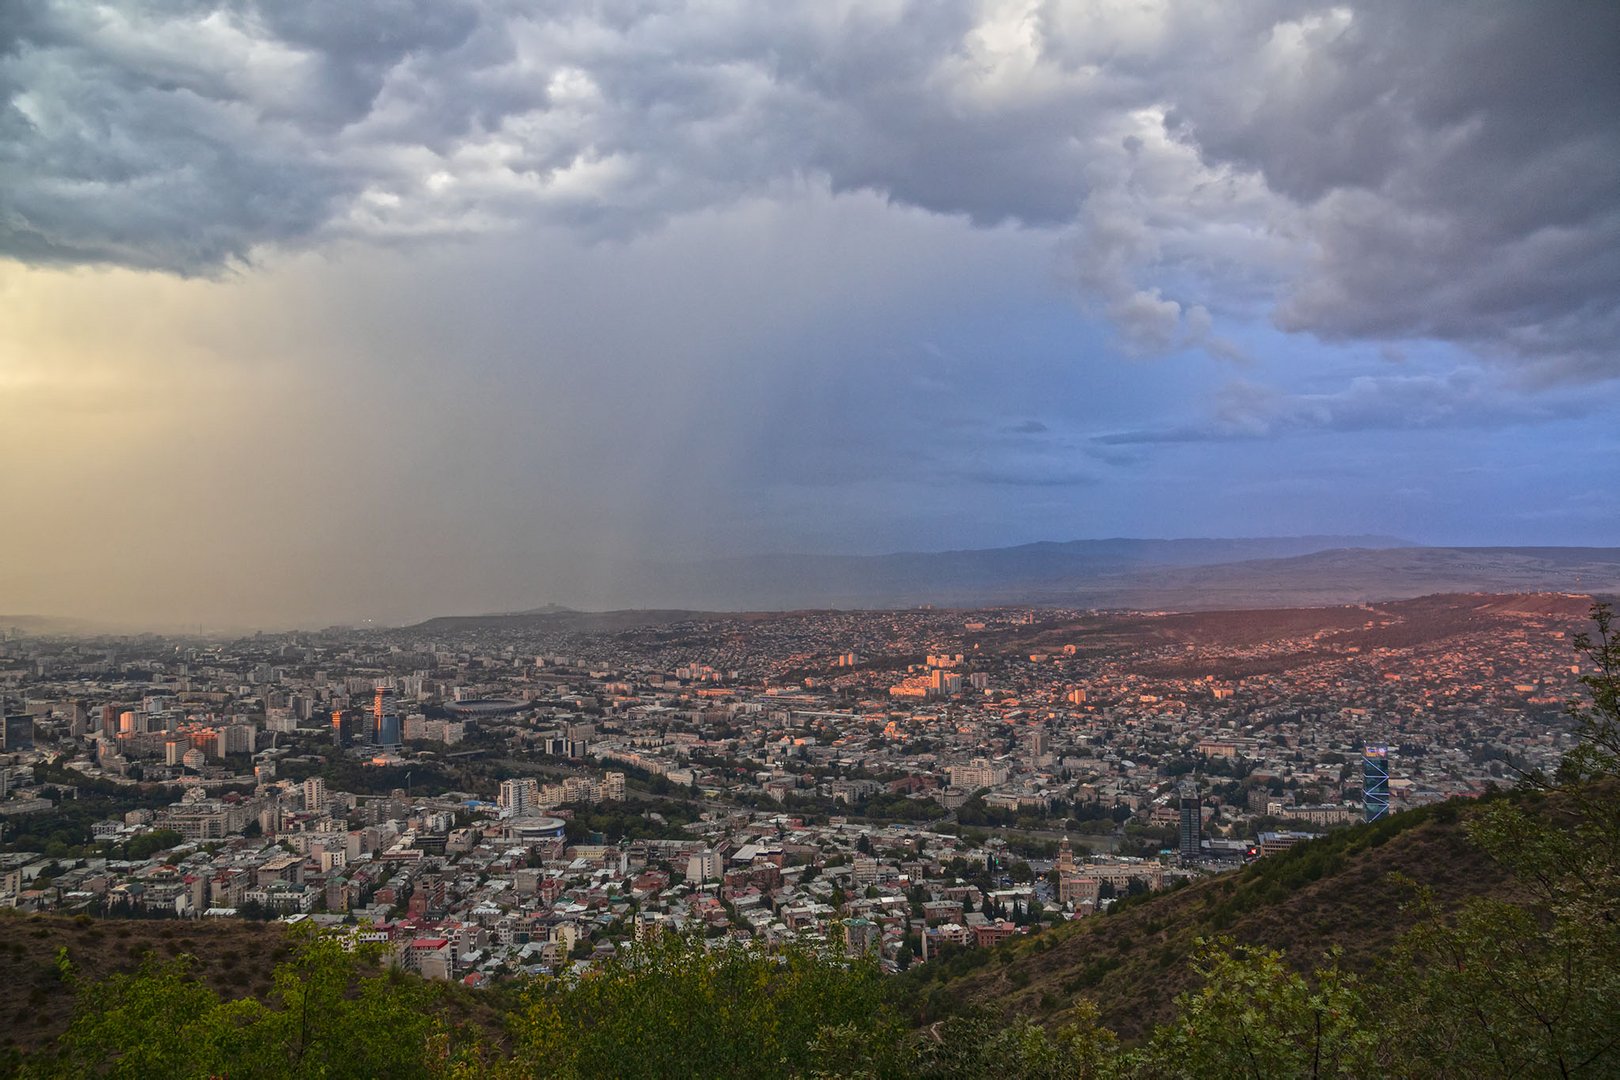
[1359, 172]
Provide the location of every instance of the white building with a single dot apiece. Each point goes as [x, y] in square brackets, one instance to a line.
[518, 796]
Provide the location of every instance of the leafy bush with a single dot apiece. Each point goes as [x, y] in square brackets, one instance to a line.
[675, 1007]
[331, 1014]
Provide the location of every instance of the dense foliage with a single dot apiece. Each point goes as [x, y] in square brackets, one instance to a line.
[639, 818]
[333, 1013]
[678, 1007]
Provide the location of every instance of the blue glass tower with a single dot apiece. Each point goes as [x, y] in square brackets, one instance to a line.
[1375, 781]
[385, 729]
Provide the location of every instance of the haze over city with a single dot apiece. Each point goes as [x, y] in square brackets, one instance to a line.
[315, 313]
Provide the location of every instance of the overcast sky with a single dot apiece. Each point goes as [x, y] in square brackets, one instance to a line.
[319, 311]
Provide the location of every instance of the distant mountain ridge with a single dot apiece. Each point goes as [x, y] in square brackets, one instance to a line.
[1349, 576]
[970, 576]
[1192, 574]
[1112, 574]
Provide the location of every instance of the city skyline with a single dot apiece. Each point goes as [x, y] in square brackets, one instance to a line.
[315, 315]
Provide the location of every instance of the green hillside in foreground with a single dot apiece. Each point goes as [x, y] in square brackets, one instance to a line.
[234, 958]
[1354, 890]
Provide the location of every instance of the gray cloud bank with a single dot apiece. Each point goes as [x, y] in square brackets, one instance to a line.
[1363, 171]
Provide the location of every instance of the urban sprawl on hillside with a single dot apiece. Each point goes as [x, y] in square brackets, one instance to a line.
[522, 793]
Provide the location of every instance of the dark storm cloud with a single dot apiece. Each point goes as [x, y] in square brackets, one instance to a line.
[1459, 170]
[1380, 171]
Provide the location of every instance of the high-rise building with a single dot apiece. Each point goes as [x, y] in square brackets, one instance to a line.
[703, 866]
[385, 729]
[18, 733]
[517, 796]
[1189, 835]
[315, 795]
[1375, 781]
[237, 739]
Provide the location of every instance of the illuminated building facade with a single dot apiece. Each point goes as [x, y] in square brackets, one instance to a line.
[385, 717]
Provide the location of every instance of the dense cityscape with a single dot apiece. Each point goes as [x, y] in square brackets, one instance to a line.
[527, 793]
[1027, 539]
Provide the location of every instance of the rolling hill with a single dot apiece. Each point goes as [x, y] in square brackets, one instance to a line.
[1349, 891]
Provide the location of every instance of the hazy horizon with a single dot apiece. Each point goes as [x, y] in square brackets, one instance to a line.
[801, 581]
[310, 313]
[414, 614]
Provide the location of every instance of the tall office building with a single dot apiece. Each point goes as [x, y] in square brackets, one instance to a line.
[1190, 834]
[385, 729]
[1375, 781]
[18, 733]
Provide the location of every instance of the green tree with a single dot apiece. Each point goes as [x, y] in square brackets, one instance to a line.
[676, 1007]
[332, 1014]
[981, 1044]
[157, 1022]
[1256, 1017]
